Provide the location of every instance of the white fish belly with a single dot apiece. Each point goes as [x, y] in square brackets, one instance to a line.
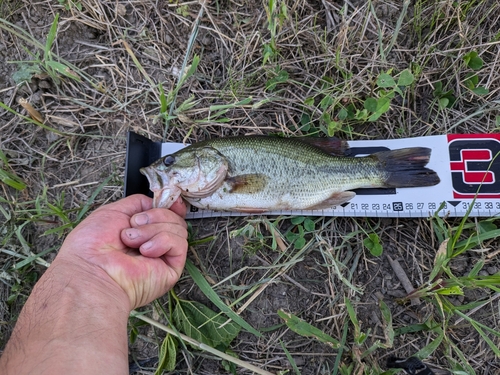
[223, 200]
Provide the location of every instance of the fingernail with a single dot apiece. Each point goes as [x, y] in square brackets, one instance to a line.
[132, 233]
[147, 245]
[141, 219]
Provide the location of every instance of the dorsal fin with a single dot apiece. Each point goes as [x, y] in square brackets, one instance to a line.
[331, 145]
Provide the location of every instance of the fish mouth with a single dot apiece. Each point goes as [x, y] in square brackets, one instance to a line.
[158, 184]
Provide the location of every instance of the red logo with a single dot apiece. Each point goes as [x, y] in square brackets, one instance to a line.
[475, 165]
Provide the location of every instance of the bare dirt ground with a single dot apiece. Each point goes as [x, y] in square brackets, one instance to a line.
[277, 80]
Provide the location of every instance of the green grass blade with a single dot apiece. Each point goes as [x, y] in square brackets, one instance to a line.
[432, 346]
[50, 38]
[192, 38]
[89, 203]
[212, 296]
[12, 180]
[290, 359]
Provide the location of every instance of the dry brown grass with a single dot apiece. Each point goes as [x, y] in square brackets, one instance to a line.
[123, 50]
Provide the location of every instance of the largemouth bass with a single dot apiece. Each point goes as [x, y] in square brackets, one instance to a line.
[257, 174]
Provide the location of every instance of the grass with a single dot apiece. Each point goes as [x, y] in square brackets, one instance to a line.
[308, 296]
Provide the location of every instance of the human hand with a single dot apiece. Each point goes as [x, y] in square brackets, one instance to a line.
[139, 248]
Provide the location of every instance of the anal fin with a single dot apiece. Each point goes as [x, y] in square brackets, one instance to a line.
[334, 200]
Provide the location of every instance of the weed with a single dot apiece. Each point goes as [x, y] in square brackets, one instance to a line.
[443, 284]
[372, 243]
[276, 12]
[9, 177]
[47, 63]
[297, 234]
[307, 330]
[446, 99]
[474, 62]
[339, 113]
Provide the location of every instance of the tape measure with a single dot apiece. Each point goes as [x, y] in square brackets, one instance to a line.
[467, 165]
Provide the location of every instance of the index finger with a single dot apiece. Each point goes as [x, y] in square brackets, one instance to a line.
[130, 205]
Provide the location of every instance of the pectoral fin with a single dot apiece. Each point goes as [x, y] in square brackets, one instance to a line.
[334, 200]
[247, 183]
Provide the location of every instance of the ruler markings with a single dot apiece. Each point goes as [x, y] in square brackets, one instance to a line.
[453, 158]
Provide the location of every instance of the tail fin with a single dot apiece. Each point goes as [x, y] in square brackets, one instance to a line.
[406, 167]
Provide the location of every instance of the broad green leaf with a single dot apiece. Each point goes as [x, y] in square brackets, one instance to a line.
[372, 243]
[202, 324]
[471, 80]
[370, 104]
[230, 366]
[291, 236]
[281, 77]
[481, 90]
[468, 56]
[333, 127]
[486, 226]
[476, 63]
[326, 102]
[383, 105]
[443, 103]
[385, 80]
[469, 84]
[406, 78]
[305, 119]
[309, 101]
[167, 355]
[343, 114]
[361, 115]
[25, 73]
[307, 330]
[473, 60]
[309, 225]
[398, 90]
[296, 220]
[299, 243]
[438, 88]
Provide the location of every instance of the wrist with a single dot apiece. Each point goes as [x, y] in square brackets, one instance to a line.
[87, 284]
[74, 312]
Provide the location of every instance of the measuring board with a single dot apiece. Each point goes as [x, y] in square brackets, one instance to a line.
[466, 164]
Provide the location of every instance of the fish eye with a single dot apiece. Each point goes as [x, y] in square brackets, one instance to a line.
[169, 160]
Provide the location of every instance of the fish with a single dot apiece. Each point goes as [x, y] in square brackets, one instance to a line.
[256, 174]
